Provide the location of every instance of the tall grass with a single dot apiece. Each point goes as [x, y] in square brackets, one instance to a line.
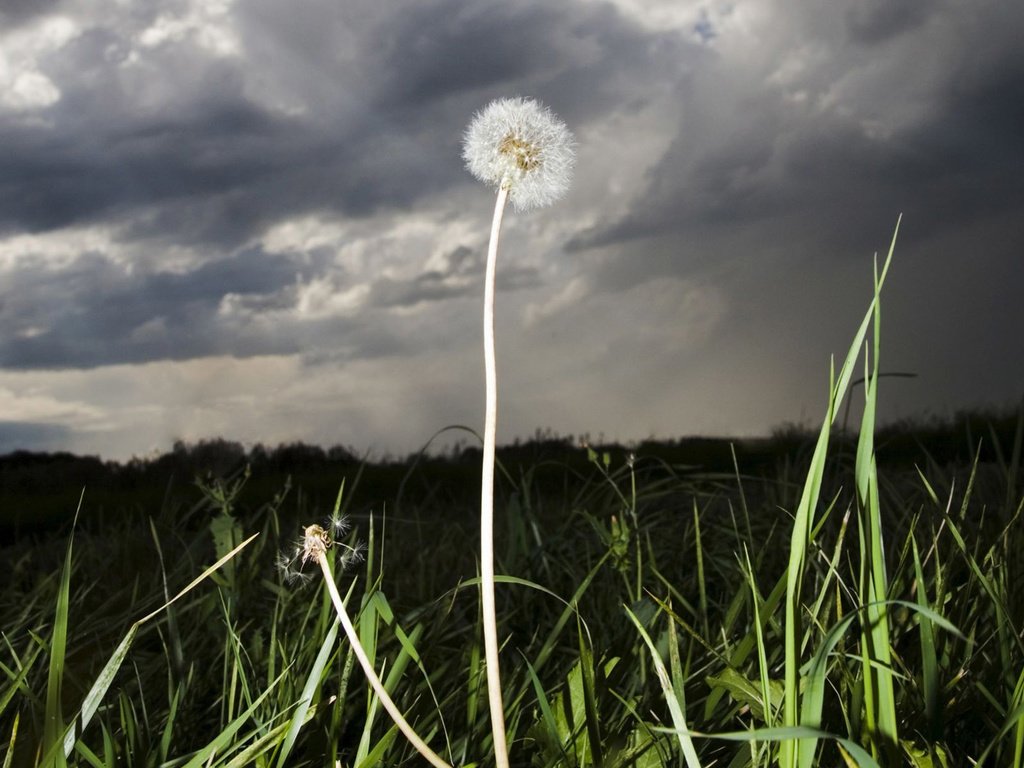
[837, 612]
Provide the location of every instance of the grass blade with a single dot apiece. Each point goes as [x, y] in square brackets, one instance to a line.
[674, 708]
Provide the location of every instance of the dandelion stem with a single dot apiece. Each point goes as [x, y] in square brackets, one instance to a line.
[490, 619]
[432, 757]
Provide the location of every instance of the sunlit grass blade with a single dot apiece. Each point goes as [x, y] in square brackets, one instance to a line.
[309, 690]
[594, 741]
[671, 699]
[253, 754]
[379, 688]
[803, 525]
[555, 738]
[9, 757]
[407, 641]
[53, 723]
[877, 669]
[16, 681]
[174, 640]
[390, 682]
[762, 658]
[375, 756]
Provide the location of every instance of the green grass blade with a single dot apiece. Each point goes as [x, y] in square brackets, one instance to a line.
[17, 681]
[11, 742]
[590, 698]
[791, 734]
[702, 591]
[223, 741]
[929, 659]
[804, 523]
[53, 716]
[106, 676]
[674, 708]
[309, 690]
[762, 659]
[375, 757]
[547, 716]
[877, 654]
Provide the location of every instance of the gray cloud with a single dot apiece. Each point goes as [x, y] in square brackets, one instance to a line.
[212, 164]
[828, 177]
[15, 435]
[276, 180]
[16, 12]
[94, 313]
[876, 21]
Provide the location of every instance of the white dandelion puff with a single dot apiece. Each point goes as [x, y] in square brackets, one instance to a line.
[520, 145]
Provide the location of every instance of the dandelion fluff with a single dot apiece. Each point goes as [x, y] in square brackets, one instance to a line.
[520, 145]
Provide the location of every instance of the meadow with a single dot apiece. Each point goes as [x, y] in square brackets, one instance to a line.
[644, 604]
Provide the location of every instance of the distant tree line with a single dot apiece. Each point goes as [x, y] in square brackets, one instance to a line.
[950, 440]
[37, 488]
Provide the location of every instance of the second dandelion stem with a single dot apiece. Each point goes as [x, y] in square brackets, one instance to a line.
[371, 674]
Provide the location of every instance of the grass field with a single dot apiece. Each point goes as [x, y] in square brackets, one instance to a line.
[830, 608]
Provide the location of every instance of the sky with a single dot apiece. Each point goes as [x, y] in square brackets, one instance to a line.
[250, 219]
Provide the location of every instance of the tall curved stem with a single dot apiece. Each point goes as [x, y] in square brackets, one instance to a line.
[490, 619]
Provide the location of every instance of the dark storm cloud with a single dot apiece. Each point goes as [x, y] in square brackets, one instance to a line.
[295, 165]
[41, 436]
[209, 165]
[434, 50]
[93, 313]
[958, 164]
[15, 12]
[212, 165]
[231, 153]
[876, 21]
[216, 174]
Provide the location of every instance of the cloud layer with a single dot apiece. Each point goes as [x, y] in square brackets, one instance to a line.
[266, 205]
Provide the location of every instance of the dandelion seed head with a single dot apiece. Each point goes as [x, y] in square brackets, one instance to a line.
[520, 145]
[315, 543]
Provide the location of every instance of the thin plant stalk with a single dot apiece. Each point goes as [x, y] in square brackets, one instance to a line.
[522, 149]
[371, 674]
[490, 618]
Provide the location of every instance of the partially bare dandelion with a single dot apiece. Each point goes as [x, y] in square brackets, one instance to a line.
[314, 544]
